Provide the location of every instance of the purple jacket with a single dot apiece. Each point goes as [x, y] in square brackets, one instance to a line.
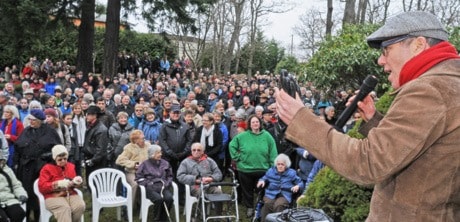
[153, 173]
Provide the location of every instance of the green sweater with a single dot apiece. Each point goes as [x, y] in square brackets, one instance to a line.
[253, 152]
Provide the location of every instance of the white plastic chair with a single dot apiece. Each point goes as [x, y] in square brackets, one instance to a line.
[103, 184]
[146, 203]
[189, 201]
[45, 214]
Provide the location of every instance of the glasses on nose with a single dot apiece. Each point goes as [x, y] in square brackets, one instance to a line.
[384, 45]
[196, 150]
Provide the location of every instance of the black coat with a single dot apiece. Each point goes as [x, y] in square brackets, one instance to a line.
[32, 151]
[96, 142]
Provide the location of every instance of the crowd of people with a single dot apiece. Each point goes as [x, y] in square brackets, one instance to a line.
[159, 126]
[112, 122]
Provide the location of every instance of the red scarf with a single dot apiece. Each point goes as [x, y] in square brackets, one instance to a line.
[425, 60]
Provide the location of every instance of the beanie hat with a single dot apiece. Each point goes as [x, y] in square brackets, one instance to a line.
[50, 112]
[38, 114]
[153, 149]
[415, 23]
[58, 150]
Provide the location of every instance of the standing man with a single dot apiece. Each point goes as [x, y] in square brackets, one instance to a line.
[175, 139]
[96, 140]
[411, 154]
[106, 116]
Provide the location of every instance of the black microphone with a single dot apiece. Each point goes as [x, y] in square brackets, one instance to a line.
[368, 85]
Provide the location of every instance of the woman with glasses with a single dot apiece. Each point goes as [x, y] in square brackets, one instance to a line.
[57, 182]
[133, 154]
[33, 151]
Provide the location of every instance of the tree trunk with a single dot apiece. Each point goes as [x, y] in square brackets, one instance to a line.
[111, 42]
[362, 8]
[238, 6]
[86, 37]
[329, 23]
[349, 15]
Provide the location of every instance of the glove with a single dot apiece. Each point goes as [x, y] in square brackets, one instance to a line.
[77, 180]
[305, 154]
[22, 199]
[63, 183]
[89, 163]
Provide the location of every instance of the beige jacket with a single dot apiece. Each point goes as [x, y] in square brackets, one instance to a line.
[412, 155]
[131, 155]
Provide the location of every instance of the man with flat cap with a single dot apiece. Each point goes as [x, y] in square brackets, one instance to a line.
[412, 154]
[96, 140]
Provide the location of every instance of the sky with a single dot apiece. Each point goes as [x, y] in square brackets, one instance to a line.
[279, 26]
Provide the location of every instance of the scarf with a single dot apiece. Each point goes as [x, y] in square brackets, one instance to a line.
[418, 65]
[205, 133]
[5, 129]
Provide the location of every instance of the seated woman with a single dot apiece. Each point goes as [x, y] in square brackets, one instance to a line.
[57, 182]
[282, 183]
[12, 194]
[156, 175]
[133, 154]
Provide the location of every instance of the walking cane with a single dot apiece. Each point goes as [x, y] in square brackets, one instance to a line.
[164, 203]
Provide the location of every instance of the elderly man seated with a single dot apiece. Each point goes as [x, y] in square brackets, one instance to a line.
[198, 168]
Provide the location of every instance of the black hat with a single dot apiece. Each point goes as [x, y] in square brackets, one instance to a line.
[93, 110]
[267, 111]
[175, 107]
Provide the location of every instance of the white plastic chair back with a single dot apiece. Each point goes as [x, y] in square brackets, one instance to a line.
[103, 184]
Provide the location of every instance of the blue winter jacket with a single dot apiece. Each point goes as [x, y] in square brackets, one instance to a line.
[281, 183]
[151, 130]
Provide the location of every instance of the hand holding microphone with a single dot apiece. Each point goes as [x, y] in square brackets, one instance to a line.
[368, 85]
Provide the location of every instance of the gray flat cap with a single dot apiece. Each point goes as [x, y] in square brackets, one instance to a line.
[414, 23]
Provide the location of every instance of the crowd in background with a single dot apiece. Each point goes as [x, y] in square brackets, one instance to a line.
[103, 121]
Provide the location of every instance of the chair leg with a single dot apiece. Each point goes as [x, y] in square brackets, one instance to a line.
[188, 211]
[130, 212]
[96, 212]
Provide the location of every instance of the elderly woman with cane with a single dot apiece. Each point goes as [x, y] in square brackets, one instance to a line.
[156, 175]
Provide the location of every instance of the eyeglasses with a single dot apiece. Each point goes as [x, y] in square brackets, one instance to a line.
[197, 150]
[61, 159]
[384, 45]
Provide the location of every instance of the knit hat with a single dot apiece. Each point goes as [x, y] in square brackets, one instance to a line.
[37, 114]
[153, 149]
[415, 23]
[58, 150]
[50, 112]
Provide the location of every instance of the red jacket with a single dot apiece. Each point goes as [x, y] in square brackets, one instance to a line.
[51, 173]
